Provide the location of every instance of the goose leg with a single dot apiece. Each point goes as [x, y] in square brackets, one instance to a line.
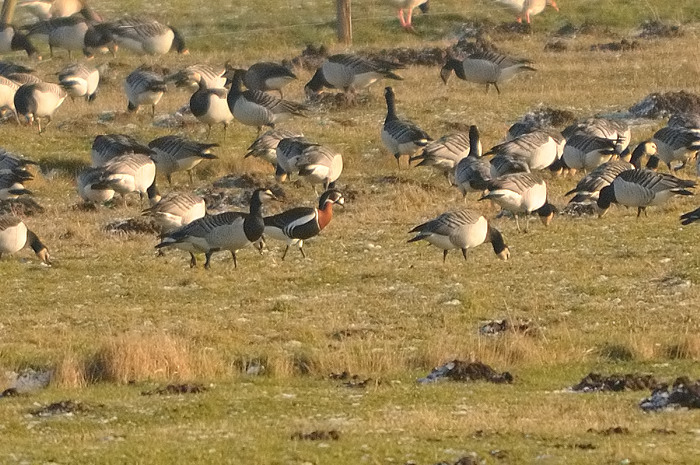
[235, 262]
[401, 20]
[464, 253]
[444, 255]
[225, 128]
[398, 160]
[301, 249]
[189, 172]
[517, 224]
[208, 130]
[153, 111]
[207, 264]
[284, 254]
[497, 89]
[281, 94]
[169, 177]
[193, 260]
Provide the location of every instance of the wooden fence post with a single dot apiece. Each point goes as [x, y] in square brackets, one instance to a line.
[8, 11]
[344, 27]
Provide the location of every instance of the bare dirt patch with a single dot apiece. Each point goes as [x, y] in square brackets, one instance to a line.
[176, 389]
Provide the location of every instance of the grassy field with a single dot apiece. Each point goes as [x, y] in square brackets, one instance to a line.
[617, 294]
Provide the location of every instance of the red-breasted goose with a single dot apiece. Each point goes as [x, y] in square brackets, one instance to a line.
[230, 231]
[176, 153]
[472, 172]
[14, 235]
[302, 223]
[518, 193]
[642, 188]
[36, 101]
[79, 80]
[144, 88]
[400, 136]
[488, 68]
[350, 73]
[463, 230]
[258, 109]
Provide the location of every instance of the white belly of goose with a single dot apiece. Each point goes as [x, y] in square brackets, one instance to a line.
[464, 237]
[340, 77]
[47, 102]
[229, 237]
[160, 44]
[544, 155]
[218, 111]
[13, 238]
[529, 201]
[144, 98]
[7, 94]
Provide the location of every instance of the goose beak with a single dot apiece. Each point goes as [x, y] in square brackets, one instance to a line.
[504, 254]
[44, 256]
[547, 220]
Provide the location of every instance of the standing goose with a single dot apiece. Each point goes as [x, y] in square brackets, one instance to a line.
[462, 229]
[144, 88]
[539, 149]
[210, 106]
[147, 37]
[521, 193]
[258, 109]
[405, 11]
[175, 153]
[230, 231]
[11, 185]
[175, 210]
[266, 76]
[73, 33]
[87, 182]
[79, 80]
[524, 9]
[213, 76]
[318, 164]
[584, 152]
[128, 173]
[63, 8]
[675, 144]
[350, 73]
[487, 68]
[642, 188]
[12, 40]
[14, 235]
[444, 154]
[265, 146]
[106, 147]
[36, 101]
[302, 223]
[588, 188]
[473, 172]
[288, 153]
[400, 136]
[616, 131]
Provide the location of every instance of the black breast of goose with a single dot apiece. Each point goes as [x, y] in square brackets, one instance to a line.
[400, 136]
[444, 154]
[176, 153]
[175, 209]
[642, 188]
[675, 144]
[301, 223]
[14, 235]
[472, 172]
[351, 72]
[210, 106]
[106, 147]
[12, 40]
[147, 37]
[521, 193]
[258, 109]
[79, 80]
[265, 145]
[487, 68]
[463, 230]
[266, 76]
[144, 88]
[584, 152]
[11, 185]
[226, 231]
[36, 101]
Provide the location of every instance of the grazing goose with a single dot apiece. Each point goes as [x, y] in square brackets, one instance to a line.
[7, 68]
[175, 153]
[521, 193]
[128, 173]
[524, 9]
[12, 40]
[350, 73]
[444, 154]
[258, 109]
[318, 164]
[210, 106]
[509, 163]
[79, 81]
[288, 152]
[73, 33]
[685, 120]
[213, 77]
[584, 152]
[36, 101]
[302, 223]
[406, 7]
[8, 88]
[11, 184]
[265, 146]
[144, 88]
[675, 144]
[462, 229]
[539, 149]
[588, 188]
[618, 132]
[87, 181]
[147, 37]
[642, 188]
[473, 172]
[11, 162]
[14, 235]
[175, 210]
[23, 78]
[400, 136]
[266, 76]
[106, 147]
[230, 231]
[487, 68]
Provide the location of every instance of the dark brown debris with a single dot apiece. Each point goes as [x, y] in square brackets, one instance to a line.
[580, 209]
[623, 45]
[64, 407]
[684, 393]
[352, 381]
[458, 370]
[310, 59]
[657, 29]
[339, 100]
[556, 46]
[663, 431]
[347, 333]
[494, 327]
[319, 435]
[22, 206]
[175, 389]
[610, 431]
[138, 225]
[661, 105]
[10, 392]
[514, 28]
[595, 382]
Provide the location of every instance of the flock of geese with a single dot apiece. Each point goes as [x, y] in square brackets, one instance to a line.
[508, 174]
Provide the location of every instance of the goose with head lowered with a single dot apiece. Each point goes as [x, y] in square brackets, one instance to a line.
[676, 145]
[537, 150]
[444, 154]
[14, 235]
[79, 81]
[642, 188]
[174, 210]
[302, 223]
[616, 131]
[12, 40]
[463, 230]
[230, 231]
[521, 193]
[176, 153]
[88, 181]
[267, 76]
[486, 68]
[132, 172]
[12, 184]
[584, 152]
[106, 147]
[350, 73]
[258, 109]
[472, 172]
[400, 136]
[405, 11]
[147, 37]
[265, 146]
[144, 87]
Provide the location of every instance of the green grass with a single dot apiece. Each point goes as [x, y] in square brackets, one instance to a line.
[604, 294]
